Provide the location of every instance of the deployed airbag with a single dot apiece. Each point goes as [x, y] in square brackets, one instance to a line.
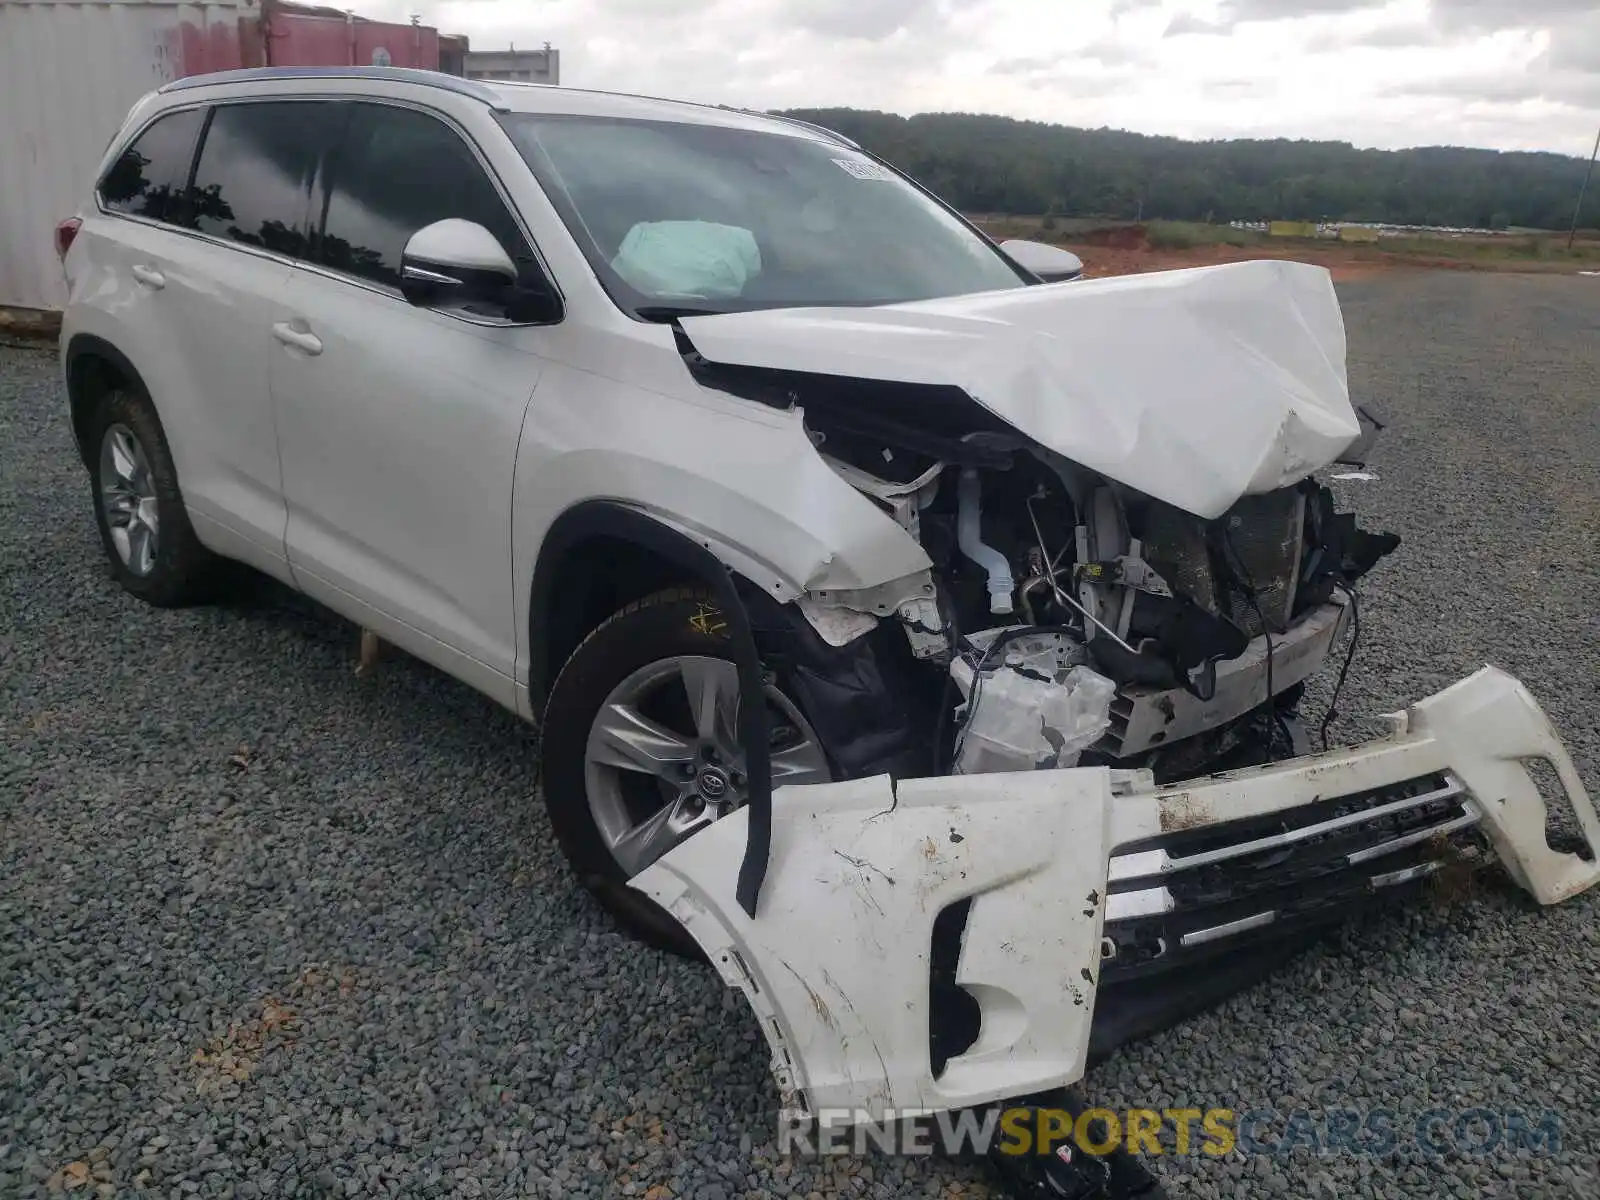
[688, 258]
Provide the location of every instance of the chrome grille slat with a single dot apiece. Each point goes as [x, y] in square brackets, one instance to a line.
[1472, 817]
[1193, 891]
[1404, 875]
[1198, 937]
[1158, 862]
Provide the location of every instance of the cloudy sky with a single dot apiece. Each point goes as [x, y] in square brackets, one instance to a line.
[1512, 74]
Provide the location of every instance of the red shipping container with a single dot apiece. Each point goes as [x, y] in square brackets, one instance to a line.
[300, 35]
[72, 68]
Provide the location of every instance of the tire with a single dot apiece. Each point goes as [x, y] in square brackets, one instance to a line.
[645, 639]
[179, 570]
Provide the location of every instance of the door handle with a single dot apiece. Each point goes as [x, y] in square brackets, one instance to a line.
[300, 339]
[149, 276]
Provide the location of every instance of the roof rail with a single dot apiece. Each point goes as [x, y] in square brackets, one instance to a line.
[833, 135]
[438, 79]
[456, 83]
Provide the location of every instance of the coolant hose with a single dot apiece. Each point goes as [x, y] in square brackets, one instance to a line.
[969, 536]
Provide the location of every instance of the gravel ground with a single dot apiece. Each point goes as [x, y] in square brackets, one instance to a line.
[271, 929]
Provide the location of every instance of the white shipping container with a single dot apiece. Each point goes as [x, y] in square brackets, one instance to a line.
[70, 70]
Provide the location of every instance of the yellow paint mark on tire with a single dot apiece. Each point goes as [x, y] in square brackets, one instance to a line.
[708, 619]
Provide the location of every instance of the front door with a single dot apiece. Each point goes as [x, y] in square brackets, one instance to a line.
[399, 425]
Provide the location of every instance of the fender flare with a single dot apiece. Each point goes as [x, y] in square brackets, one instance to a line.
[609, 518]
[87, 345]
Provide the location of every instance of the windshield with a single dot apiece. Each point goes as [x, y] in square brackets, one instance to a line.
[679, 218]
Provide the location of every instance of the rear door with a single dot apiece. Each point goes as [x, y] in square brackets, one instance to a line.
[399, 424]
[139, 267]
[187, 257]
[247, 207]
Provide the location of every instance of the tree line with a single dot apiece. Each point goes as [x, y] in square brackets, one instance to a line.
[993, 164]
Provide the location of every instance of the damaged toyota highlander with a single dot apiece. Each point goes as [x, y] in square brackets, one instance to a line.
[916, 629]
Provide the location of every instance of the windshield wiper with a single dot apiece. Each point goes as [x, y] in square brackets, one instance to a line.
[671, 312]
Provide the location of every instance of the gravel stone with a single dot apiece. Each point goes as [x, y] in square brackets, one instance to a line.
[272, 929]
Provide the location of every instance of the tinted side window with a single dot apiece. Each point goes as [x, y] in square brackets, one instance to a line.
[399, 170]
[253, 181]
[148, 177]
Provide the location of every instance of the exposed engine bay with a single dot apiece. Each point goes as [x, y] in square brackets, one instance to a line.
[1067, 758]
[1033, 552]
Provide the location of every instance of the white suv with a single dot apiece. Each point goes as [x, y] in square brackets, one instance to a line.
[623, 410]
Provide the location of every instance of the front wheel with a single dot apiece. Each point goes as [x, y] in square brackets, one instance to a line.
[640, 748]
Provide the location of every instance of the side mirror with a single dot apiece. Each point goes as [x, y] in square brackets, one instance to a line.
[1049, 263]
[458, 262]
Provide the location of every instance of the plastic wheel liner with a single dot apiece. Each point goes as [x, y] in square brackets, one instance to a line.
[836, 961]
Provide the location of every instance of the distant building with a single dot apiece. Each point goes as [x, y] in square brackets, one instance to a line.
[513, 65]
[453, 50]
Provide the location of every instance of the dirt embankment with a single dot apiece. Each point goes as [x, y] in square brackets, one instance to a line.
[1128, 250]
[1131, 248]
[1102, 261]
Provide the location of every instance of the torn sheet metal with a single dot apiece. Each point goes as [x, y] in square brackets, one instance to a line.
[835, 624]
[842, 615]
[836, 962]
[1195, 386]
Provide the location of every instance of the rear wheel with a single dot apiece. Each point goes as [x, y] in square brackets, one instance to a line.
[144, 526]
[641, 749]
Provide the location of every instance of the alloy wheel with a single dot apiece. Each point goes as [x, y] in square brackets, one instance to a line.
[128, 499]
[663, 757]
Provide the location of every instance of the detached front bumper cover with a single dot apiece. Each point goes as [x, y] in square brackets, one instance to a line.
[836, 962]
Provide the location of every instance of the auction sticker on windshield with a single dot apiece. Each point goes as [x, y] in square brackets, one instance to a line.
[862, 169]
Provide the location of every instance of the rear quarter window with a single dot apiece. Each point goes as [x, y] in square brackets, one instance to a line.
[148, 178]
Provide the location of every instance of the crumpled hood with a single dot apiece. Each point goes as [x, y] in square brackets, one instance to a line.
[1195, 386]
